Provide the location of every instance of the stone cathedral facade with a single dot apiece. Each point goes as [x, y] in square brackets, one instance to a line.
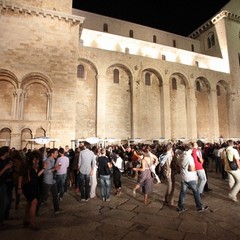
[68, 74]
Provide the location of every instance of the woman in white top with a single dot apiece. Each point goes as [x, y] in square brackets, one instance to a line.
[93, 177]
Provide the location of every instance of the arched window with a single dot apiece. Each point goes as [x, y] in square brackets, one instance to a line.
[115, 76]
[174, 43]
[105, 27]
[192, 48]
[218, 90]
[40, 132]
[154, 38]
[198, 86]
[211, 40]
[209, 43]
[174, 83]
[147, 79]
[80, 71]
[131, 33]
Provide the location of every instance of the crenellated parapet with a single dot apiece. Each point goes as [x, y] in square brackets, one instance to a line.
[213, 21]
[226, 14]
[6, 7]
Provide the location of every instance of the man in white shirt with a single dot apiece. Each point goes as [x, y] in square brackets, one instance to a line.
[231, 154]
[189, 180]
[61, 174]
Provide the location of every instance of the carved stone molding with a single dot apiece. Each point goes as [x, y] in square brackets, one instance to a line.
[214, 20]
[6, 6]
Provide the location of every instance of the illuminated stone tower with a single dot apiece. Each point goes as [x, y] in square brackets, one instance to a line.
[56, 5]
[39, 44]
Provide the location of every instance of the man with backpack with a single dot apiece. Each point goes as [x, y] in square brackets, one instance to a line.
[228, 155]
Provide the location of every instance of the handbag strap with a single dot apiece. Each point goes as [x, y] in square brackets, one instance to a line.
[148, 164]
[29, 178]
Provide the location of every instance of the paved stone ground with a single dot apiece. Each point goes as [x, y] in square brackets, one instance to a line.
[127, 218]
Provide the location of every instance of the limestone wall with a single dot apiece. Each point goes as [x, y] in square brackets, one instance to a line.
[122, 28]
[39, 61]
[44, 93]
[56, 5]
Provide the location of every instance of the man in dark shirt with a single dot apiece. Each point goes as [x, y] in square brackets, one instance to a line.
[5, 166]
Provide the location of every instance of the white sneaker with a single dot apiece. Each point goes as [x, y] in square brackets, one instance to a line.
[134, 193]
[203, 209]
[232, 198]
[59, 211]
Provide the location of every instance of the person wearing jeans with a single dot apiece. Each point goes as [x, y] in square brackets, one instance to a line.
[189, 180]
[192, 185]
[61, 174]
[84, 186]
[49, 183]
[198, 160]
[231, 154]
[105, 181]
[104, 166]
[86, 165]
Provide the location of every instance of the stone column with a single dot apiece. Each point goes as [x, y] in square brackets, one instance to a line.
[191, 114]
[18, 106]
[100, 108]
[14, 105]
[166, 118]
[49, 106]
[21, 105]
[232, 117]
[132, 109]
[214, 123]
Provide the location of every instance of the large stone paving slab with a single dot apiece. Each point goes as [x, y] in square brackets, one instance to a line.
[126, 217]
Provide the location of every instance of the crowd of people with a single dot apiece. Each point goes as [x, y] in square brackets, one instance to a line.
[36, 173]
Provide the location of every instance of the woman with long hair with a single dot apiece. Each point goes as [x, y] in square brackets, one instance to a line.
[29, 184]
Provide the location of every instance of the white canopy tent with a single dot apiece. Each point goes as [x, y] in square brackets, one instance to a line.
[98, 141]
[41, 141]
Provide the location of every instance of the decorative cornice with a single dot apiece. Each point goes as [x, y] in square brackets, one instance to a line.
[6, 6]
[213, 21]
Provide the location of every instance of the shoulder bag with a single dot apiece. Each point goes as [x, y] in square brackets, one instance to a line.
[232, 164]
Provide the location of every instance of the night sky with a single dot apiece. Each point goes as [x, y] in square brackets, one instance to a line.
[176, 16]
